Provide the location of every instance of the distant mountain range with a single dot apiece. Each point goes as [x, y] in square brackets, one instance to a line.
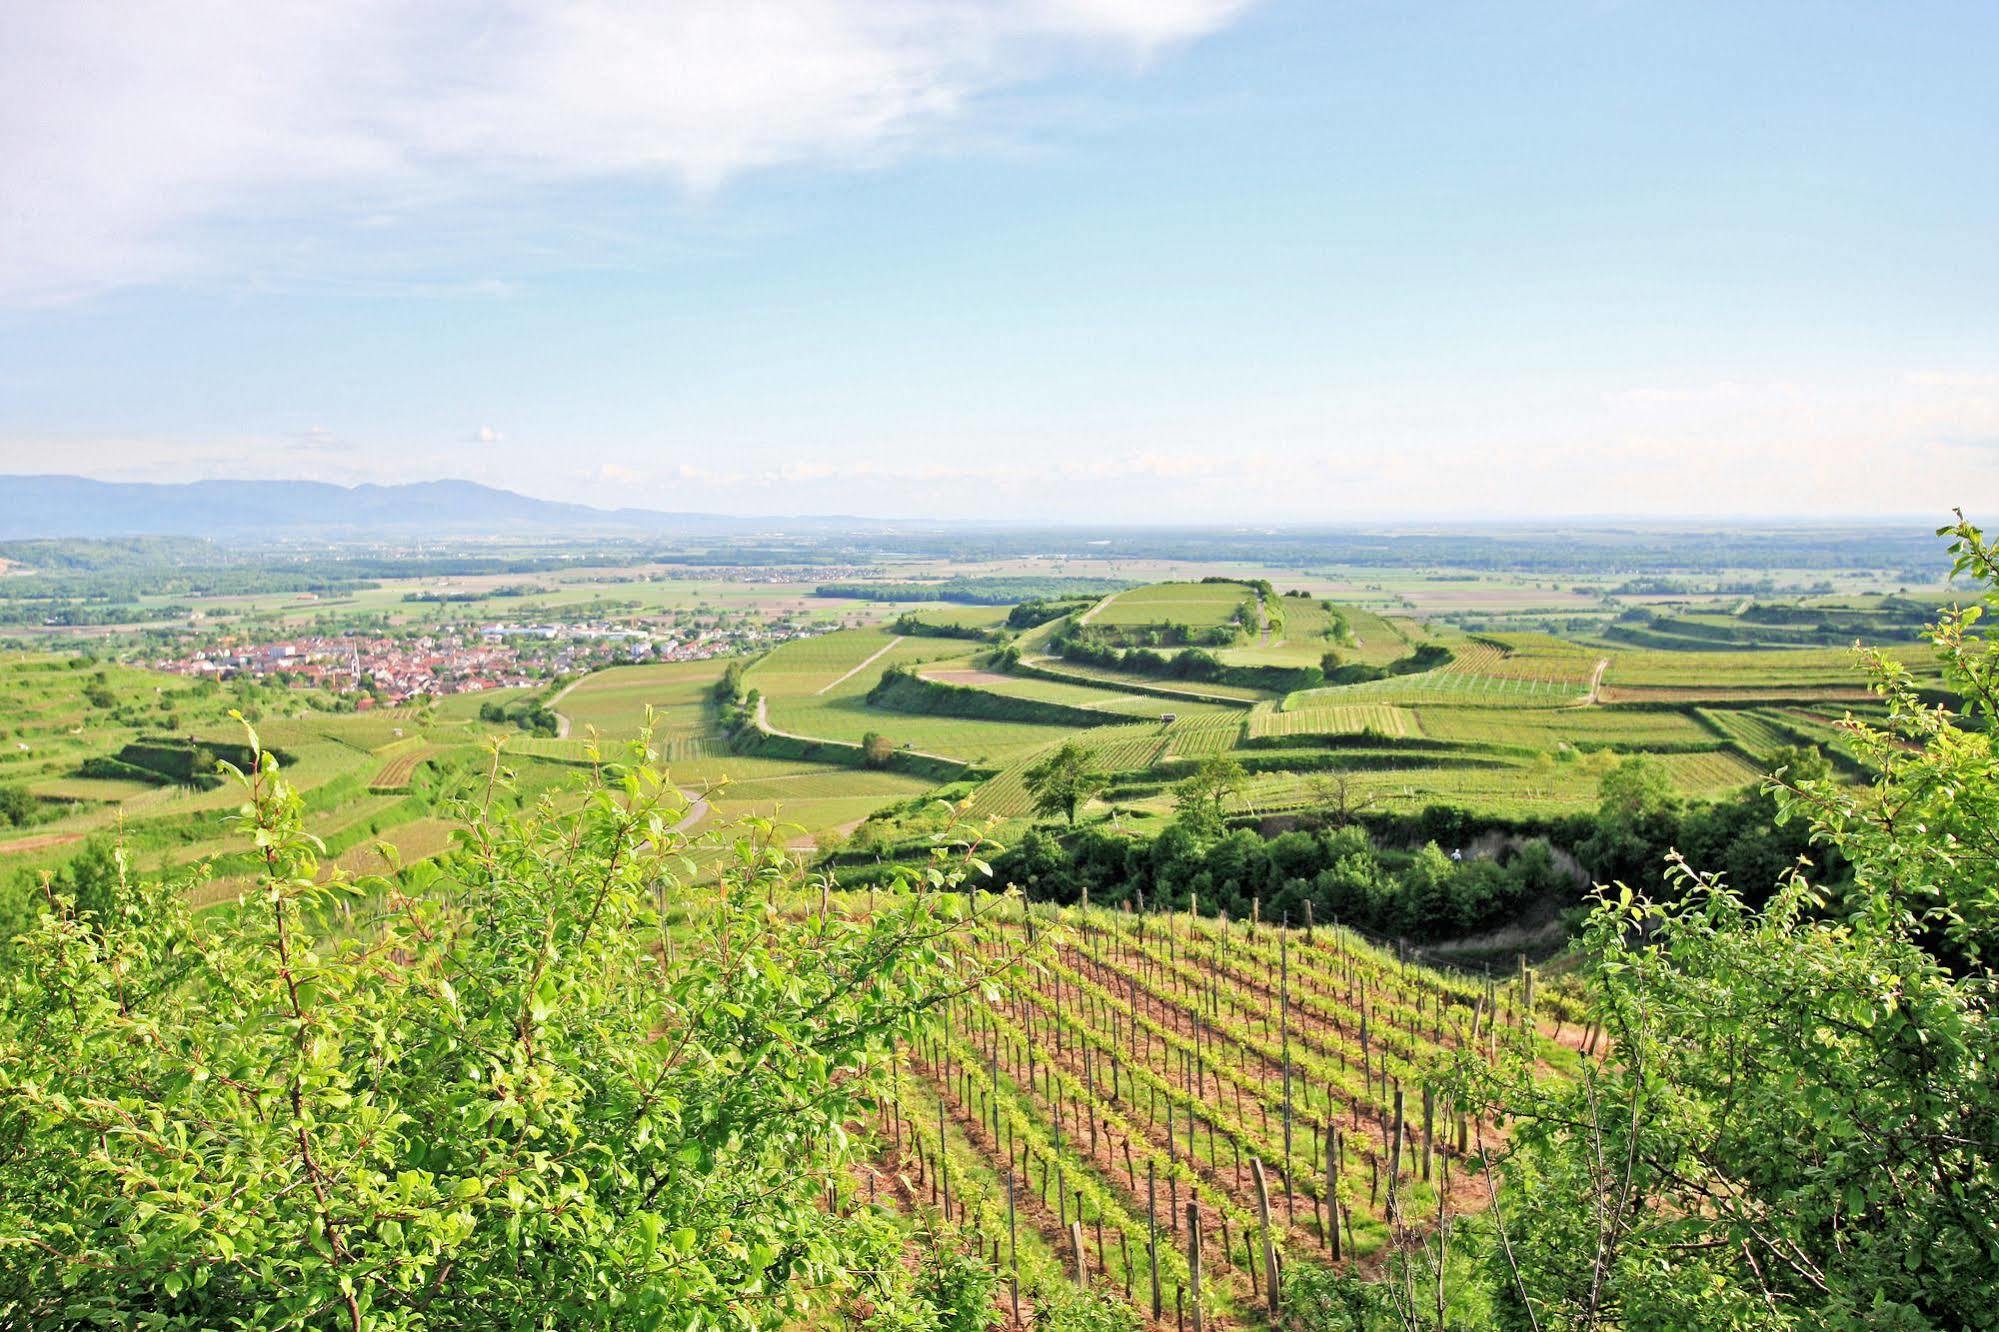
[236, 511]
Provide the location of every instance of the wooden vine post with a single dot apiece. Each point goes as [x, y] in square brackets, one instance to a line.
[1333, 1183]
[1076, 1249]
[1152, 1236]
[1284, 1030]
[1194, 1261]
[1395, 1161]
[1269, 1243]
[943, 1166]
[1012, 1247]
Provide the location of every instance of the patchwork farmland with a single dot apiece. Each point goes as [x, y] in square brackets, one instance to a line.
[1507, 723]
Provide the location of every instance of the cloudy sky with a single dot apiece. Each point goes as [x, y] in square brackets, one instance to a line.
[1291, 260]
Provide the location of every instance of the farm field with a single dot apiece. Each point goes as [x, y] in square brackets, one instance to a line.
[1061, 691]
[1509, 723]
[1157, 1078]
[818, 687]
[1206, 691]
[1801, 669]
[1529, 694]
[614, 702]
[1199, 605]
[1352, 719]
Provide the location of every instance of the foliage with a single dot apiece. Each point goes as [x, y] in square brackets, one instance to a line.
[877, 750]
[1039, 611]
[1640, 820]
[1069, 1310]
[911, 625]
[1339, 873]
[17, 805]
[542, 1084]
[1799, 1125]
[532, 715]
[1203, 797]
[1064, 780]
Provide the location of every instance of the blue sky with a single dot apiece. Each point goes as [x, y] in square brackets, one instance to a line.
[1077, 260]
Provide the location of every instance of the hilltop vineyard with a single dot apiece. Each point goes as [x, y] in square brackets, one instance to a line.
[1171, 1109]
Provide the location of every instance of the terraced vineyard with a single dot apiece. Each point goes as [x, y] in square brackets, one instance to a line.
[1759, 730]
[1714, 771]
[1200, 605]
[1191, 737]
[1553, 729]
[1478, 731]
[1408, 783]
[399, 765]
[1509, 724]
[1352, 719]
[1167, 1094]
[1531, 671]
[1115, 749]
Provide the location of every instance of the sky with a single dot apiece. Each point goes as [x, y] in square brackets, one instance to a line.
[1182, 261]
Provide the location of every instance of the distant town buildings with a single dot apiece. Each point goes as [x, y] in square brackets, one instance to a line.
[463, 660]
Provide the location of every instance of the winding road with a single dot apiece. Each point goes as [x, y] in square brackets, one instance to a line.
[1595, 681]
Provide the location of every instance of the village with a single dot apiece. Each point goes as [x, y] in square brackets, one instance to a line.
[440, 661]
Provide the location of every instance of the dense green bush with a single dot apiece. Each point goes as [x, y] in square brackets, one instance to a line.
[1797, 1125]
[1343, 873]
[911, 625]
[581, 1095]
[18, 805]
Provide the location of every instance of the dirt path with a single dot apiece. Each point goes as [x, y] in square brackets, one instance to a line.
[809, 844]
[1092, 612]
[697, 810]
[42, 843]
[886, 648]
[1595, 683]
[561, 721]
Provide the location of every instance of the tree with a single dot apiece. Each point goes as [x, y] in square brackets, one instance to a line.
[1064, 781]
[1798, 1125]
[1639, 787]
[584, 1094]
[877, 750]
[1335, 795]
[1202, 799]
[1635, 824]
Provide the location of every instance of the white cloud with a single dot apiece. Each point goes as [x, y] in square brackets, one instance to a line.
[131, 131]
[485, 434]
[616, 474]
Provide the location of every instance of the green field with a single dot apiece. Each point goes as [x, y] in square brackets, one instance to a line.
[1352, 719]
[1515, 721]
[1197, 605]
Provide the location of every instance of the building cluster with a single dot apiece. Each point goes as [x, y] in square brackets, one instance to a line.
[459, 660]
